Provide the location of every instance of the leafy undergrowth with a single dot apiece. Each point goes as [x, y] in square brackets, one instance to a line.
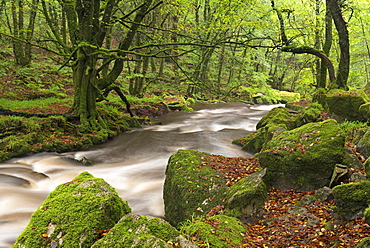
[288, 221]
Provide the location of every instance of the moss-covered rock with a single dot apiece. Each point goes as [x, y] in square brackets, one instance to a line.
[345, 105]
[73, 214]
[219, 231]
[303, 158]
[190, 187]
[134, 230]
[310, 114]
[276, 121]
[367, 167]
[246, 198]
[362, 141]
[254, 142]
[365, 110]
[351, 199]
[278, 116]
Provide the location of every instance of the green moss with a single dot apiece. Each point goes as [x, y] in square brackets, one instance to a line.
[276, 116]
[189, 186]
[351, 199]
[345, 105]
[303, 158]
[246, 198]
[134, 230]
[310, 114]
[73, 214]
[218, 231]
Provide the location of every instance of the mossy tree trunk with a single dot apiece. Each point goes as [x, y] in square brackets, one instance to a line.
[88, 23]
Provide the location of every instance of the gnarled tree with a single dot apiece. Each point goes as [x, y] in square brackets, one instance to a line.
[88, 23]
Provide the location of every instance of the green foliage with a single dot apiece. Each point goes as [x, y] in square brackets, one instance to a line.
[29, 104]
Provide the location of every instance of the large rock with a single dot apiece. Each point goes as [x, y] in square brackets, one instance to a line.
[303, 158]
[191, 187]
[218, 231]
[351, 199]
[134, 230]
[276, 121]
[245, 199]
[74, 214]
[362, 141]
[345, 105]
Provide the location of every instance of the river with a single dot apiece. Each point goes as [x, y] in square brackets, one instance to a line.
[133, 162]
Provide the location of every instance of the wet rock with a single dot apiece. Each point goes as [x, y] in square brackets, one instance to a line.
[74, 214]
[303, 158]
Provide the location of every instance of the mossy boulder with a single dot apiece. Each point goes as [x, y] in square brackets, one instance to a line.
[303, 158]
[218, 231]
[278, 116]
[74, 214]
[191, 187]
[254, 142]
[362, 141]
[134, 230]
[277, 120]
[245, 199]
[345, 105]
[310, 114]
[367, 167]
[365, 110]
[351, 199]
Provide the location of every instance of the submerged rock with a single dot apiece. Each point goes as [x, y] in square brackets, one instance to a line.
[74, 214]
[303, 158]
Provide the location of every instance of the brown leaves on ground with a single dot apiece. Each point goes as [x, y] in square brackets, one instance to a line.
[233, 169]
[285, 224]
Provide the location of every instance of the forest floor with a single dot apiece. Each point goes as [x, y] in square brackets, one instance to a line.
[289, 221]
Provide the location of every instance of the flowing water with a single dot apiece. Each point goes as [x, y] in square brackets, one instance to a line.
[133, 163]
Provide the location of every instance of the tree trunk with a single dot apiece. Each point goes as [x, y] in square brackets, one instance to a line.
[341, 26]
[23, 35]
[326, 47]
